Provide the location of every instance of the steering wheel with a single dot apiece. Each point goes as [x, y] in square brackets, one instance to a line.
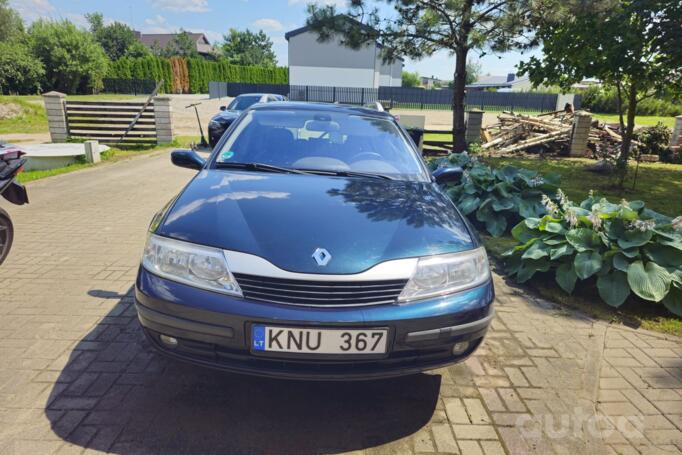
[368, 155]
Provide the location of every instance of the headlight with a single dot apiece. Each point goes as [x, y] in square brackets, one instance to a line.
[200, 266]
[447, 273]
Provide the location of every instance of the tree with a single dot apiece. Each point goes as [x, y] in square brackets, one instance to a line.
[631, 45]
[182, 45]
[74, 62]
[419, 28]
[114, 38]
[11, 25]
[411, 79]
[137, 50]
[473, 72]
[20, 72]
[248, 48]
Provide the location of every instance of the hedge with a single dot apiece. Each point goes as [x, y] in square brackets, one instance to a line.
[603, 100]
[193, 75]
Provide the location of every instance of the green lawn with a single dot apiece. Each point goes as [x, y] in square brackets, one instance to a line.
[112, 155]
[640, 120]
[33, 118]
[658, 184]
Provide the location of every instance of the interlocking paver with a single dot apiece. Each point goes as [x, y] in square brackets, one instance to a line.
[77, 376]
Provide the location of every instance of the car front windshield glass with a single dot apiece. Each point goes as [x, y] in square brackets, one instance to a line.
[242, 102]
[322, 141]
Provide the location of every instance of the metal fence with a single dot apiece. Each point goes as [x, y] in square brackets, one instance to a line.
[128, 86]
[395, 97]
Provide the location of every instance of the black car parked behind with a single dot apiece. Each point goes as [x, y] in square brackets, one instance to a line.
[221, 121]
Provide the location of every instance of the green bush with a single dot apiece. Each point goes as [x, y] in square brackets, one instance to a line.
[497, 198]
[604, 100]
[627, 248]
[656, 140]
[20, 72]
[74, 62]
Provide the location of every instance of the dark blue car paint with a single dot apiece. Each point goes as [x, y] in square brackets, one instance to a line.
[283, 218]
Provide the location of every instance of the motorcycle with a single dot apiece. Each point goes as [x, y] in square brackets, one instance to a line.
[11, 164]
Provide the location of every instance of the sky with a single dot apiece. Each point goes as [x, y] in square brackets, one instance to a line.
[215, 17]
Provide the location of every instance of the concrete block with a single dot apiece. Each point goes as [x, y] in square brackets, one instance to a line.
[92, 152]
[676, 138]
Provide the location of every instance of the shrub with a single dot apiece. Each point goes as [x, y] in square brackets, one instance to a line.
[74, 62]
[20, 72]
[656, 140]
[601, 99]
[627, 248]
[498, 198]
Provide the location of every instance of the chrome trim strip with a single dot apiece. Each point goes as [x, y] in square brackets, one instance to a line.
[451, 331]
[254, 265]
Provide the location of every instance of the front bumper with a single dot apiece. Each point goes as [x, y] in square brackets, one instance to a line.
[213, 330]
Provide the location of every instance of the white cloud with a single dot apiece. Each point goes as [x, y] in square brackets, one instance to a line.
[269, 24]
[157, 24]
[31, 10]
[193, 6]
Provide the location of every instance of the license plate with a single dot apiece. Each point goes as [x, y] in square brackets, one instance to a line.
[319, 341]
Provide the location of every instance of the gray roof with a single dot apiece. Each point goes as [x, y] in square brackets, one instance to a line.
[163, 39]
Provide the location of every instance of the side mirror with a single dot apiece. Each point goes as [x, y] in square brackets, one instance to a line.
[222, 108]
[451, 175]
[187, 158]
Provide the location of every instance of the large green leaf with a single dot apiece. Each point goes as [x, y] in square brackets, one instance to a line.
[530, 208]
[663, 255]
[561, 250]
[650, 281]
[673, 301]
[522, 233]
[502, 204]
[583, 239]
[529, 267]
[613, 288]
[634, 238]
[566, 277]
[468, 204]
[620, 262]
[536, 251]
[587, 264]
[496, 225]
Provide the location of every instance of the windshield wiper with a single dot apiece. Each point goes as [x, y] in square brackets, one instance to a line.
[349, 174]
[258, 167]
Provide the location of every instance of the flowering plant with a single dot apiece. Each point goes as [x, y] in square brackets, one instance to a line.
[497, 198]
[626, 247]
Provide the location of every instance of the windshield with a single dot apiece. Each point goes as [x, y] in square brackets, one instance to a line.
[322, 141]
[240, 103]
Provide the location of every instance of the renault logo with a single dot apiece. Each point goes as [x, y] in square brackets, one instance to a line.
[322, 257]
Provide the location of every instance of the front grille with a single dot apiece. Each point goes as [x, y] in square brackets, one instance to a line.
[319, 293]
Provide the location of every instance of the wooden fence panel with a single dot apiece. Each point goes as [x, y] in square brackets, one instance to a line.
[107, 121]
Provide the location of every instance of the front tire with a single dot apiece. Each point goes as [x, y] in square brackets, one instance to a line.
[6, 235]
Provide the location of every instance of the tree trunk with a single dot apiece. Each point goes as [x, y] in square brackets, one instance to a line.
[458, 92]
[622, 164]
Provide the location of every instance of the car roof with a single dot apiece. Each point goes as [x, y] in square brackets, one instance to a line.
[258, 94]
[327, 107]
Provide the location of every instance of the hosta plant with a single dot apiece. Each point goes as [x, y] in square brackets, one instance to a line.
[498, 198]
[627, 248]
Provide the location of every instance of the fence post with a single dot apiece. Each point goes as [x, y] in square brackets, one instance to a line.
[163, 114]
[92, 152]
[362, 96]
[474, 122]
[422, 99]
[306, 93]
[55, 106]
[582, 122]
[334, 95]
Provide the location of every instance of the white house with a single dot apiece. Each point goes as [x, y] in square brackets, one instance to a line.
[332, 64]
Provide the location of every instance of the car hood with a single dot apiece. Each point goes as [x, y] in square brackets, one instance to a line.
[284, 218]
[227, 115]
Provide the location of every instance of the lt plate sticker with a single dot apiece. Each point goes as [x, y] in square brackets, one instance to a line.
[259, 338]
[226, 155]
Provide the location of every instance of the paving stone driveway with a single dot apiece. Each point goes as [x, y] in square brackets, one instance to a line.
[76, 374]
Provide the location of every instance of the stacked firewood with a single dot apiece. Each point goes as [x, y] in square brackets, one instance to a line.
[548, 132]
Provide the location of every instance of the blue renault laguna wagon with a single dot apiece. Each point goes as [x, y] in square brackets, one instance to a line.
[314, 243]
